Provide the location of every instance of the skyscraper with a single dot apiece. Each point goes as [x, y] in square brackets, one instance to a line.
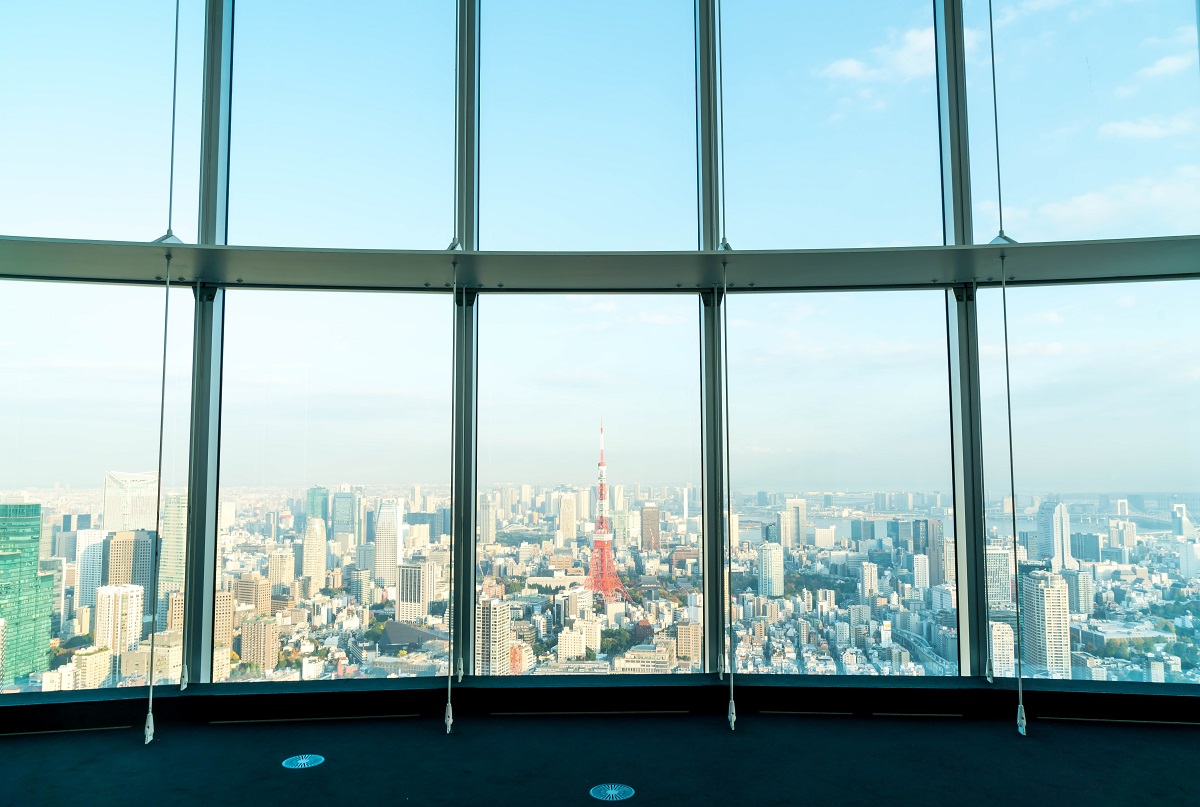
[1054, 536]
[317, 504]
[567, 519]
[793, 523]
[91, 559]
[1045, 623]
[389, 549]
[868, 581]
[921, 571]
[651, 528]
[999, 575]
[414, 590]
[493, 635]
[119, 611]
[281, 571]
[487, 521]
[172, 560]
[348, 515]
[1081, 590]
[131, 562]
[130, 501]
[25, 593]
[770, 569]
[1002, 646]
[315, 551]
[260, 642]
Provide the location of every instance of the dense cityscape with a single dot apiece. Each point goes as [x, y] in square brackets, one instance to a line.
[354, 582]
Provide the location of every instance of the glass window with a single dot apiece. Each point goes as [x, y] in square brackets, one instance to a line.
[80, 390]
[343, 125]
[839, 434]
[333, 542]
[1106, 447]
[588, 125]
[86, 94]
[1098, 119]
[831, 124]
[589, 499]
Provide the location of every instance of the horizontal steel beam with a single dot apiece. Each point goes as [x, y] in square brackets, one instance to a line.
[907, 267]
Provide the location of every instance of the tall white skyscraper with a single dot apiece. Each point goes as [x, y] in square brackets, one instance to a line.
[118, 619]
[999, 576]
[130, 501]
[89, 565]
[770, 569]
[1054, 536]
[1045, 623]
[389, 541]
[921, 571]
[414, 590]
[868, 581]
[174, 549]
[493, 636]
[567, 523]
[487, 521]
[1003, 648]
[315, 551]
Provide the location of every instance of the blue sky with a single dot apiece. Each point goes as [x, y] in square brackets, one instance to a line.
[342, 137]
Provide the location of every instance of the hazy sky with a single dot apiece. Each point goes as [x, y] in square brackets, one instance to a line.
[342, 136]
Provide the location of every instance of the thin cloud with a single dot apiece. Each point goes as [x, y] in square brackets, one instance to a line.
[1168, 65]
[908, 58]
[1153, 128]
[1171, 202]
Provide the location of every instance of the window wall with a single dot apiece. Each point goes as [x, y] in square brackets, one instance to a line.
[1105, 565]
[589, 509]
[82, 524]
[842, 556]
[333, 544]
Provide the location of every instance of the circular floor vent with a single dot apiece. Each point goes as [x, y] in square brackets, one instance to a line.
[303, 761]
[611, 792]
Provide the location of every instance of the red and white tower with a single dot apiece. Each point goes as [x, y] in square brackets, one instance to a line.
[602, 574]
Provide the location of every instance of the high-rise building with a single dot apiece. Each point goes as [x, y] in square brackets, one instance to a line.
[793, 523]
[998, 560]
[921, 571]
[414, 590]
[223, 620]
[493, 635]
[651, 528]
[260, 643]
[119, 612]
[568, 524]
[1045, 623]
[940, 550]
[487, 521]
[868, 581]
[130, 501]
[91, 560]
[281, 571]
[1081, 590]
[1054, 538]
[389, 548]
[131, 562]
[25, 593]
[315, 551]
[689, 643]
[317, 505]
[1003, 649]
[93, 667]
[348, 516]
[173, 550]
[254, 590]
[770, 569]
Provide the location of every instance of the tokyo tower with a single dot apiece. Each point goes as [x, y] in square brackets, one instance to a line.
[602, 574]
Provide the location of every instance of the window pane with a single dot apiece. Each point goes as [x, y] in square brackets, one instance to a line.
[343, 125]
[79, 517]
[831, 124]
[334, 548]
[588, 117]
[1098, 119]
[840, 468]
[86, 93]
[1106, 439]
[589, 542]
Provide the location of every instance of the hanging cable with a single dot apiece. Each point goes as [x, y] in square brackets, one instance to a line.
[162, 412]
[454, 519]
[170, 237]
[1001, 238]
[726, 503]
[1012, 486]
[724, 243]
